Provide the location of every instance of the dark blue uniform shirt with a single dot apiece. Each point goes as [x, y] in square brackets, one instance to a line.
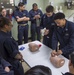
[65, 36]
[47, 22]
[9, 47]
[20, 15]
[32, 13]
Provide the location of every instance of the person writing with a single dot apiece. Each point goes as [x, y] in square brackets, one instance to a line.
[64, 34]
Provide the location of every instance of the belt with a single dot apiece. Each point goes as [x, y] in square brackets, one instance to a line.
[22, 24]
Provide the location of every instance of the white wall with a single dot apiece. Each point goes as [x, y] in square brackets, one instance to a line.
[39, 2]
[67, 12]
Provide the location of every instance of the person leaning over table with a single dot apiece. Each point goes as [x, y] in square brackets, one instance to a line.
[64, 34]
[9, 47]
[39, 70]
[5, 67]
[22, 17]
[70, 65]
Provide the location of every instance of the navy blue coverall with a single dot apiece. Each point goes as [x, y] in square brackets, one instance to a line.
[22, 30]
[48, 23]
[34, 28]
[65, 36]
[3, 64]
[9, 49]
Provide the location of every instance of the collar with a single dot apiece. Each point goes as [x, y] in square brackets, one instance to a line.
[36, 10]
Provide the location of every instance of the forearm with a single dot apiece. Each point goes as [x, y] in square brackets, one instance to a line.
[20, 19]
[27, 19]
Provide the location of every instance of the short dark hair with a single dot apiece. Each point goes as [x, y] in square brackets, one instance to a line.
[4, 21]
[20, 4]
[59, 16]
[1, 9]
[72, 58]
[49, 9]
[39, 70]
[34, 4]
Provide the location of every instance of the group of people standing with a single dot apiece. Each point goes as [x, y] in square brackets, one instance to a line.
[22, 17]
[38, 21]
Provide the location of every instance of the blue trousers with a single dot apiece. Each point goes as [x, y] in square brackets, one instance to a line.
[22, 32]
[35, 32]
